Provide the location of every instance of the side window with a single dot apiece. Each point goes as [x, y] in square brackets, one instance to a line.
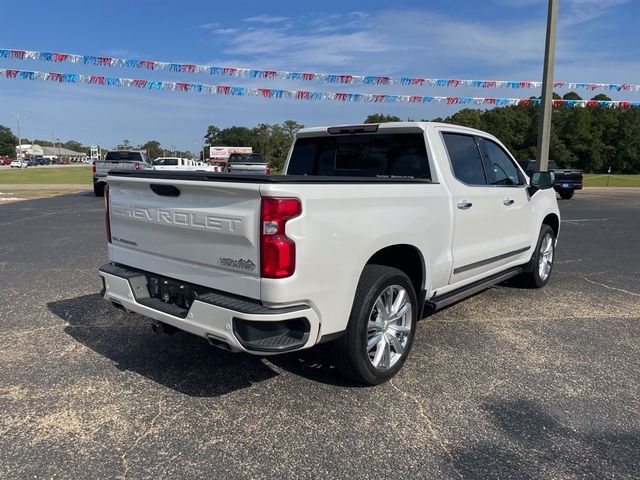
[465, 158]
[500, 167]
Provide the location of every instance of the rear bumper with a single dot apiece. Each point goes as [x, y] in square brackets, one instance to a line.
[240, 325]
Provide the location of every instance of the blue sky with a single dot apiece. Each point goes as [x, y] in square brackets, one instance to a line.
[490, 39]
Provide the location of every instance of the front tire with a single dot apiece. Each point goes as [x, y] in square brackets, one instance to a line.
[381, 327]
[539, 268]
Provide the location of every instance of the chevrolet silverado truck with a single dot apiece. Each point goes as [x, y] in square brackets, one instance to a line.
[117, 159]
[370, 228]
[566, 180]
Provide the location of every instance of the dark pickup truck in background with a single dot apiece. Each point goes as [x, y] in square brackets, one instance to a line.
[567, 180]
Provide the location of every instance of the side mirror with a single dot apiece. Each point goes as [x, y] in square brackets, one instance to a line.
[542, 180]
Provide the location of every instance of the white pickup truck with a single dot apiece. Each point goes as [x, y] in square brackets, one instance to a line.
[371, 227]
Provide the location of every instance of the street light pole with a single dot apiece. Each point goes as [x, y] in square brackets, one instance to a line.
[544, 123]
[18, 155]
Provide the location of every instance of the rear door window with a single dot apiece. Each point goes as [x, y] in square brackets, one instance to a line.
[465, 157]
[382, 155]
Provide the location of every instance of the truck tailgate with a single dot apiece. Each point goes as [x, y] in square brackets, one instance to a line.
[207, 234]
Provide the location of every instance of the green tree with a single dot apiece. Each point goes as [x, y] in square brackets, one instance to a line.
[153, 148]
[290, 128]
[601, 97]
[211, 137]
[381, 118]
[571, 96]
[8, 142]
[235, 137]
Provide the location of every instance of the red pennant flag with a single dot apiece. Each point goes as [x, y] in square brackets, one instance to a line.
[11, 73]
[60, 57]
[223, 89]
[140, 83]
[265, 92]
[302, 95]
[187, 67]
[98, 79]
[308, 76]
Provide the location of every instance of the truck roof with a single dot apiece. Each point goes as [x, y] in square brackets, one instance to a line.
[399, 127]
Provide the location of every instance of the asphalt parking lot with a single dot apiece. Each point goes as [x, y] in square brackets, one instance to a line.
[511, 383]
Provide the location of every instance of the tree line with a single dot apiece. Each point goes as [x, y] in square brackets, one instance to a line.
[593, 139]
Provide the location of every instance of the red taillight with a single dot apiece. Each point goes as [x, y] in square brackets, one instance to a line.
[137, 166]
[268, 169]
[277, 251]
[107, 220]
[94, 166]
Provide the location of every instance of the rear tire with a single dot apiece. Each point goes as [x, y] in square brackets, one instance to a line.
[98, 189]
[538, 270]
[381, 327]
[566, 194]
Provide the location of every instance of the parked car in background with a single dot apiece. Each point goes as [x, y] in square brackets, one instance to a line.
[248, 163]
[19, 164]
[567, 180]
[5, 160]
[370, 227]
[117, 159]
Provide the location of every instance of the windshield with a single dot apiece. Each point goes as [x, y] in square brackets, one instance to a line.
[126, 156]
[384, 155]
[246, 157]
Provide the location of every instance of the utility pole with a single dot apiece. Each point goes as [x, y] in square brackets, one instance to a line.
[19, 155]
[544, 123]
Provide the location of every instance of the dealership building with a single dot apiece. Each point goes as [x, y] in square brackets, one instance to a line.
[49, 153]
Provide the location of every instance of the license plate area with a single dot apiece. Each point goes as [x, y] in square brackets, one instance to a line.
[173, 292]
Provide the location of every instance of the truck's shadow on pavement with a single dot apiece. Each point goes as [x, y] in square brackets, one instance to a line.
[182, 362]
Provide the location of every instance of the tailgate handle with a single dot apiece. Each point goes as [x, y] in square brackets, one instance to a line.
[165, 190]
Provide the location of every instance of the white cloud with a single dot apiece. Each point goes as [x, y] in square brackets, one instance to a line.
[264, 18]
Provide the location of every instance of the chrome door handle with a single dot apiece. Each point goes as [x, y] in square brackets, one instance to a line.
[508, 201]
[465, 205]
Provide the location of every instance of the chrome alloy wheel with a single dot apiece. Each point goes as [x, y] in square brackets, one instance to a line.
[390, 323]
[545, 257]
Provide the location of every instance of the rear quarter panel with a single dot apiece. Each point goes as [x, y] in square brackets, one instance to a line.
[342, 226]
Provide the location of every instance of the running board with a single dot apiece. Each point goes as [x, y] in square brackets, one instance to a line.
[440, 301]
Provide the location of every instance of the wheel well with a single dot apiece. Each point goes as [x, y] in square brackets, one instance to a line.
[403, 257]
[553, 221]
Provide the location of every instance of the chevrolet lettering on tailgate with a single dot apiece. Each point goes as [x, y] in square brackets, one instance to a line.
[178, 218]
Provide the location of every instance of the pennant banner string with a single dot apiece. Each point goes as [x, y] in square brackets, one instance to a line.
[76, 78]
[106, 61]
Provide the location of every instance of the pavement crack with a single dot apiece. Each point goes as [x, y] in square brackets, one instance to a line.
[609, 287]
[432, 430]
[136, 442]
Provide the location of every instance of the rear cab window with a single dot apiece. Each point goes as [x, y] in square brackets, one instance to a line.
[246, 158]
[378, 155]
[123, 156]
